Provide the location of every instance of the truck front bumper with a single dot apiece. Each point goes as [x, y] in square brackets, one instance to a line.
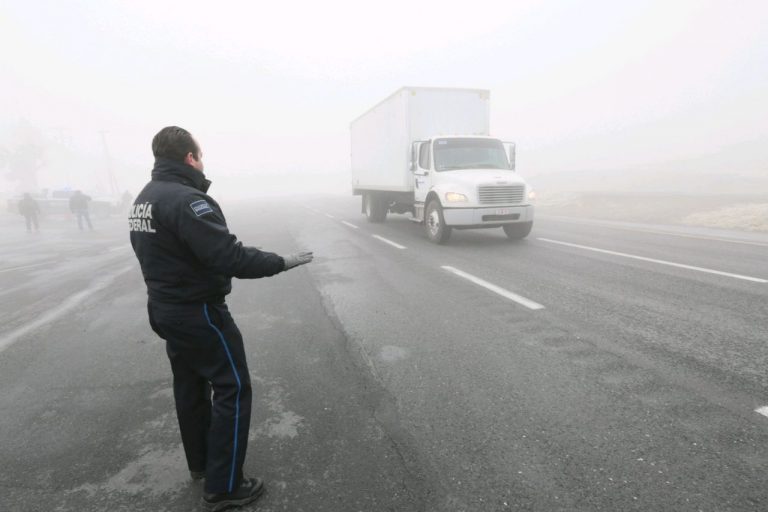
[493, 216]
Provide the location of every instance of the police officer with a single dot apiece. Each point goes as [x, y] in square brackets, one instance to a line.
[188, 257]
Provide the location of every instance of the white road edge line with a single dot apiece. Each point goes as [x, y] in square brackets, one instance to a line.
[329, 216]
[660, 262]
[496, 289]
[120, 248]
[697, 237]
[66, 305]
[25, 266]
[762, 410]
[349, 224]
[390, 242]
[670, 233]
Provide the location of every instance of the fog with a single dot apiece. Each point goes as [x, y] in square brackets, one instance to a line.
[597, 343]
[641, 96]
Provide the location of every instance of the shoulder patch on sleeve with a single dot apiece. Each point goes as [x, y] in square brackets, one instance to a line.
[200, 207]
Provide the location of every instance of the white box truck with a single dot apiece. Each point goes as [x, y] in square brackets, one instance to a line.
[427, 152]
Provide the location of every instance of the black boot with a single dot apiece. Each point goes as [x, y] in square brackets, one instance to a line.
[249, 490]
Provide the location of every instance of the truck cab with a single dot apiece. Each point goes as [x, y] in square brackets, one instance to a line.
[468, 182]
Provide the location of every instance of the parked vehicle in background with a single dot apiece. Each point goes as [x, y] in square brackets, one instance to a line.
[427, 152]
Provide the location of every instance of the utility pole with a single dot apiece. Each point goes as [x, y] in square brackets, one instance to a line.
[111, 179]
[65, 141]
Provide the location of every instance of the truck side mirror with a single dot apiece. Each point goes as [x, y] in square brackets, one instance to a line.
[511, 154]
[414, 156]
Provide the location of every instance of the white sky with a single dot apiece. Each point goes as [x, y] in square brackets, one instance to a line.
[270, 88]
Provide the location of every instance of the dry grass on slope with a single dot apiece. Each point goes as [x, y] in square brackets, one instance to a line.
[748, 217]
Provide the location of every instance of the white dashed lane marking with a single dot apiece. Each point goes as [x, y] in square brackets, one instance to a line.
[495, 289]
[390, 242]
[653, 260]
[762, 410]
[349, 224]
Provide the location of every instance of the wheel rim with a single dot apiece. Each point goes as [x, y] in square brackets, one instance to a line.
[434, 222]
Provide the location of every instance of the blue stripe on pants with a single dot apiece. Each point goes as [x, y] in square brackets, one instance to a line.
[237, 399]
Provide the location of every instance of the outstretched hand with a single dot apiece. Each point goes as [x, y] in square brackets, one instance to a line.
[296, 259]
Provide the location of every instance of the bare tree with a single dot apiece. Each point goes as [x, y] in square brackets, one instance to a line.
[22, 160]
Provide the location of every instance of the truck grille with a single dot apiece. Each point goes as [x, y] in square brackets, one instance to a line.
[501, 194]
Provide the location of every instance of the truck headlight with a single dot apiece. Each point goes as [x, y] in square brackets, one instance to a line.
[531, 195]
[455, 197]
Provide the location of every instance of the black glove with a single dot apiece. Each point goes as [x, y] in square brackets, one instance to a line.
[296, 259]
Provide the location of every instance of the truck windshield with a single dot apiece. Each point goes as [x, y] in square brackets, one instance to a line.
[470, 154]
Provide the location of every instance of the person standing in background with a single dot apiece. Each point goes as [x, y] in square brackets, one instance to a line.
[29, 208]
[78, 204]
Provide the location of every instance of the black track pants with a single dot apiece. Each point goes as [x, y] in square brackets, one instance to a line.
[206, 352]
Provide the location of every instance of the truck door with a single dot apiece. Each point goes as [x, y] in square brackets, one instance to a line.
[421, 177]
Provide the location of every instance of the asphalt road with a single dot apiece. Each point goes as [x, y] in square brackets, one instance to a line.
[592, 366]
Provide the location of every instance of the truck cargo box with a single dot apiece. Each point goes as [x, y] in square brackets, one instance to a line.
[381, 138]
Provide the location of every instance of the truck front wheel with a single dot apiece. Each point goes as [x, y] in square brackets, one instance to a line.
[437, 231]
[517, 231]
[375, 207]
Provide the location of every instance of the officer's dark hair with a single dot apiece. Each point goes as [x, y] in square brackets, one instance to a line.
[174, 143]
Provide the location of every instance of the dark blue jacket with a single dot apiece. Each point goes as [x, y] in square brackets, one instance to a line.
[181, 239]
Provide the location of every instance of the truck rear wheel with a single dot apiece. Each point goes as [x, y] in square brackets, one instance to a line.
[437, 231]
[375, 206]
[517, 231]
